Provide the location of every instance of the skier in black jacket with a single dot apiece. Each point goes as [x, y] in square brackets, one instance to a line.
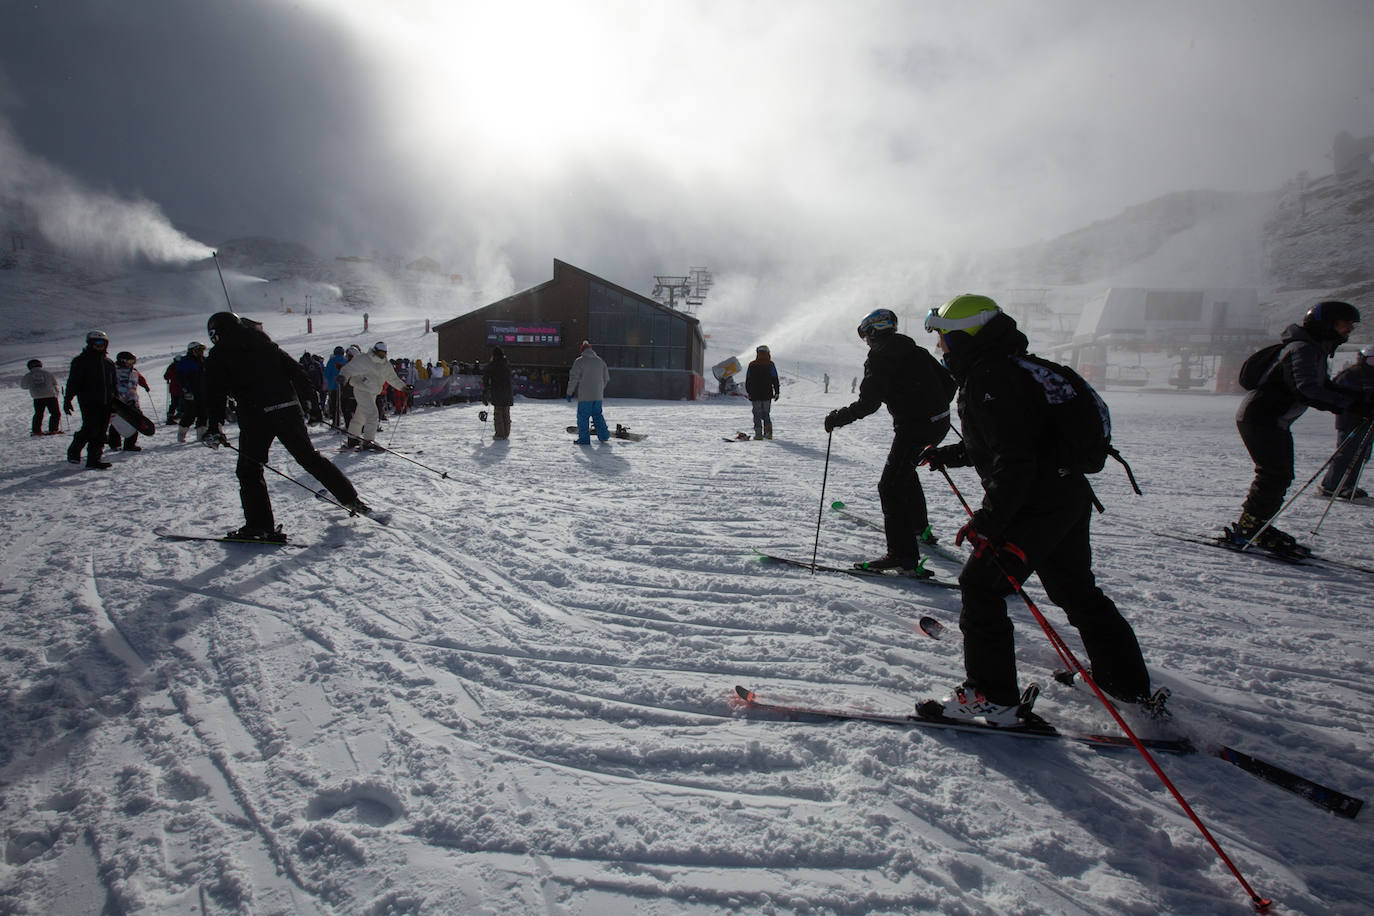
[917, 391]
[1034, 518]
[1298, 379]
[92, 382]
[1352, 432]
[269, 387]
[762, 386]
[497, 391]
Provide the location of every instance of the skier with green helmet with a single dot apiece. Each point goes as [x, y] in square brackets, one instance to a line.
[1034, 518]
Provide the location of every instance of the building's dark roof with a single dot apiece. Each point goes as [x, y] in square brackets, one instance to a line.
[558, 268]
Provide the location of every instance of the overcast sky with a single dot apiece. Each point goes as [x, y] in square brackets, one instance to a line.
[758, 138]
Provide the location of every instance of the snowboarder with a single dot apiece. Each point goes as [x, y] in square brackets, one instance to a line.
[1353, 454]
[269, 388]
[496, 391]
[91, 381]
[367, 374]
[1034, 518]
[1297, 379]
[587, 379]
[127, 382]
[42, 387]
[762, 386]
[191, 380]
[917, 391]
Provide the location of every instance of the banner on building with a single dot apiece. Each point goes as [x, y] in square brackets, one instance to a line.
[506, 334]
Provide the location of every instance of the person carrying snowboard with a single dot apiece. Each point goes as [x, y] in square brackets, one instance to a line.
[1296, 380]
[1353, 450]
[762, 385]
[367, 374]
[42, 387]
[127, 382]
[917, 391]
[1034, 518]
[91, 381]
[269, 388]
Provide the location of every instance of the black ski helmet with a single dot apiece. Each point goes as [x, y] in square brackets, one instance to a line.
[125, 356]
[35, 364]
[221, 322]
[1322, 317]
[878, 321]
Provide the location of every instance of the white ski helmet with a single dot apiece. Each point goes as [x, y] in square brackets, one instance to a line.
[379, 346]
[93, 336]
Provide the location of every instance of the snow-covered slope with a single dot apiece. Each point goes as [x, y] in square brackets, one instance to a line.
[518, 697]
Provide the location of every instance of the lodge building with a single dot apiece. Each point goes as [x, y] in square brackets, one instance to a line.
[652, 351]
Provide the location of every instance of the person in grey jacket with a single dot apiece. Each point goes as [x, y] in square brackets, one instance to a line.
[587, 378]
[42, 387]
[1298, 379]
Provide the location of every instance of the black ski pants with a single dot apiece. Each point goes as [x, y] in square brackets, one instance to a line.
[901, 496]
[54, 414]
[1055, 538]
[1271, 448]
[95, 420]
[287, 426]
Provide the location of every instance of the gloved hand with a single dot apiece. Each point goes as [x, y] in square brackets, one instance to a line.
[832, 420]
[67, 407]
[977, 540]
[776, 396]
[316, 418]
[213, 438]
[938, 458]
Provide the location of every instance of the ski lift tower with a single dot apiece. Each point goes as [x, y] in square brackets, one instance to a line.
[684, 294]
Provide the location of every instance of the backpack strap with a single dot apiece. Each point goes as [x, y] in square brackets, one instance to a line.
[1129, 474]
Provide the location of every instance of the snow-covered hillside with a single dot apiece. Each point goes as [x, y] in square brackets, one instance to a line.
[519, 696]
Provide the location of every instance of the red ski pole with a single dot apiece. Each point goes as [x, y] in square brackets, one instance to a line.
[1261, 904]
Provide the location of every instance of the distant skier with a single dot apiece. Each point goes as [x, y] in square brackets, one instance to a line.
[587, 380]
[1297, 380]
[367, 374]
[269, 388]
[1029, 504]
[191, 380]
[91, 381]
[1353, 433]
[496, 391]
[127, 382]
[763, 388]
[917, 391]
[169, 375]
[331, 384]
[43, 388]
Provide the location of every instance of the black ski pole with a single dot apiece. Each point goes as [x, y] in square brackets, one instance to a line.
[316, 493]
[1261, 904]
[215, 255]
[443, 474]
[815, 548]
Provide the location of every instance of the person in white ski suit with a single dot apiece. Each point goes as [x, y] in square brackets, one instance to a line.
[368, 373]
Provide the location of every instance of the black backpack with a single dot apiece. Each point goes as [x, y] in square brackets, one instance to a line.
[1079, 422]
[1257, 366]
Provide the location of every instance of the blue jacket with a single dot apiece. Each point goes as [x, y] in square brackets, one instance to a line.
[331, 371]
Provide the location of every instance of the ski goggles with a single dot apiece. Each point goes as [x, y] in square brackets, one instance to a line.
[938, 323]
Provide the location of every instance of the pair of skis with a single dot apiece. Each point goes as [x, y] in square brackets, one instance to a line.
[1332, 800]
[858, 571]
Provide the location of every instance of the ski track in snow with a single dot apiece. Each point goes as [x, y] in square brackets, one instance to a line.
[519, 696]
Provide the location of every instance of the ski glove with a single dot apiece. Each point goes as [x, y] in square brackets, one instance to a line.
[937, 458]
[832, 420]
[213, 438]
[67, 407]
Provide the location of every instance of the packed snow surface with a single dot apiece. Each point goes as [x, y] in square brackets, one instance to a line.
[519, 696]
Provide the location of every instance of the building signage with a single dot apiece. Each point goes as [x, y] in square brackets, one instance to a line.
[505, 334]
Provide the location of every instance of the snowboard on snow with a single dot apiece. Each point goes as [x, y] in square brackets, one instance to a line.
[620, 432]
